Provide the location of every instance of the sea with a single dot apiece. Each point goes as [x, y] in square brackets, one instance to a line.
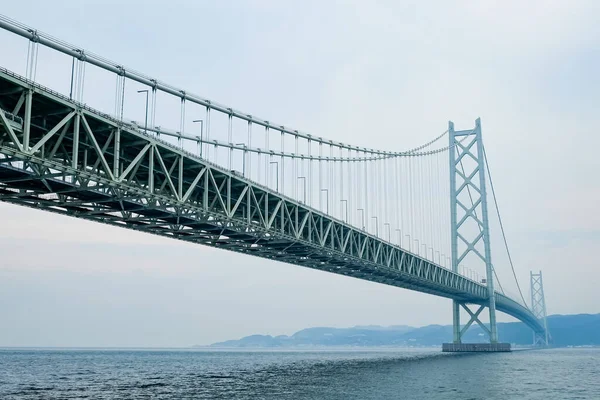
[570, 373]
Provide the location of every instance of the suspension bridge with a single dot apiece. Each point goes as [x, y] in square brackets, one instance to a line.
[416, 219]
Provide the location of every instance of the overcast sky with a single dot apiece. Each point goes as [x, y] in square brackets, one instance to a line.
[372, 73]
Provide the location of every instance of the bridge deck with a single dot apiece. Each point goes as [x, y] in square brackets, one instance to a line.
[66, 158]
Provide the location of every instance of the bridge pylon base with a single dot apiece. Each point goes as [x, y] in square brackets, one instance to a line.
[476, 347]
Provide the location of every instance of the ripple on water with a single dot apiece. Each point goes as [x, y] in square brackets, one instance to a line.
[413, 374]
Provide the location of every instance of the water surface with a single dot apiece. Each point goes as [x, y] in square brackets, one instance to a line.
[398, 374]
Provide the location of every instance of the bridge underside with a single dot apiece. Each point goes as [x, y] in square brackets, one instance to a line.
[60, 156]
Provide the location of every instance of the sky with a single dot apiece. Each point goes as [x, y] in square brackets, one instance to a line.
[383, 74]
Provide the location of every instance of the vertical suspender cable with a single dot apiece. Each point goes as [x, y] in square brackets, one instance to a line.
[321, 176]
[367, 212]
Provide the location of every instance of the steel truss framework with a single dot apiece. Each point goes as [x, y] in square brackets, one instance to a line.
[538, 307]
[61, 156]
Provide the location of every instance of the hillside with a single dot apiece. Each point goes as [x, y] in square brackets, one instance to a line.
[566, 330]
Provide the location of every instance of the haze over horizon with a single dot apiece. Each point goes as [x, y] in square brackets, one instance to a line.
[378, 74]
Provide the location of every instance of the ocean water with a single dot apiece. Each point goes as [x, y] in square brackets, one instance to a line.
[394, 374]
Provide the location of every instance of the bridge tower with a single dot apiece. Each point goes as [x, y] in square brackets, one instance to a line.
[470, 236]
[538, 307]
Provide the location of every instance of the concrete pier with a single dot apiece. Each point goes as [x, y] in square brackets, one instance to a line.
[475, 347]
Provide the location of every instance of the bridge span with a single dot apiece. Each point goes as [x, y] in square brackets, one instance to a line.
[57, 154]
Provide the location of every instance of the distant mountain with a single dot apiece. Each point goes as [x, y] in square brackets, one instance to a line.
[566, 330]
